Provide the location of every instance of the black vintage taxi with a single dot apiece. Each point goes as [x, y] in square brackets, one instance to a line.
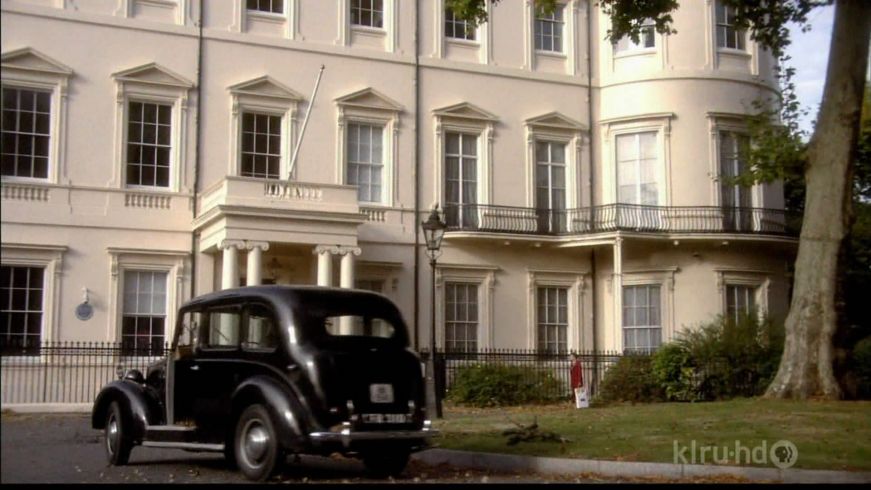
[261, 372]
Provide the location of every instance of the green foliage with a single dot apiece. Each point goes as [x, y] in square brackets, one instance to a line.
[631, 379]
[475, 11]
[720, 360]
[492, 385]
[862, 367]
[674, 373]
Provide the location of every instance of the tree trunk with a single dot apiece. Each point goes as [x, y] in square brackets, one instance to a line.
[806, 367]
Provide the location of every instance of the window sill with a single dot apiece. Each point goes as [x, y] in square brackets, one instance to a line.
[266, 16]
[11, 179]
[630, 53]
[147, 188]
[466, 43]
[551, 54]
[734, 52]
[371, 31]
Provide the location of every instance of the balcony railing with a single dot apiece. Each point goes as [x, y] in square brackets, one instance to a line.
[618, 217]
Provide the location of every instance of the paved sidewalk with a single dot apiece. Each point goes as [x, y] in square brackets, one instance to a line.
[562, 466]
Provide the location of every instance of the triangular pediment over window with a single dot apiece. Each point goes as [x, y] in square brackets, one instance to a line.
[154, 74]
[369, 98]
[265, 86]
[29, 59]
[464, 110]
[555, 120]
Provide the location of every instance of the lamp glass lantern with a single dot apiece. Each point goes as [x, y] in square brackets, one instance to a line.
[433, 231]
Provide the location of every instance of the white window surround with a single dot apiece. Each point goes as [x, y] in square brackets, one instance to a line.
[665, 278]
[368, 106]
[613, 127]
[483, 34]
[484, 276]
[50, 257]
[387, 272]
[174, 263]
[288, 18]
[263, 95]
[730, 122]
[389, 32]
[182, 13]
[575, 281]
[758, 279]
[156, 84]
[633, 49]
[27, 68]
[469, 119]
[555, 127]
[571, 33]
[713, 52]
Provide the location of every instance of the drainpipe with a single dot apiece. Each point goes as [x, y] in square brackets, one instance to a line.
[416, 173]
[593, 289]
[198, 138]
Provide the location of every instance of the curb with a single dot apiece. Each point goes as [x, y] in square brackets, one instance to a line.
[48, 407]
[565, 466]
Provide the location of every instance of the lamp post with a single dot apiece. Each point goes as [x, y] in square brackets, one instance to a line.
[433, 231]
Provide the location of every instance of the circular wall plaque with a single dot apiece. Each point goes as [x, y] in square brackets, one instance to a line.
[84, 311]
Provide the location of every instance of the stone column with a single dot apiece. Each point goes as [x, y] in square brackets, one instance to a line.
[325, 263]
[255, 262]
[230, 275]
[346, 280]
[618, 291]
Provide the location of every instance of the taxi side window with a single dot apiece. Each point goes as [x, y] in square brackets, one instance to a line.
[224, 327]
[261, 332]
[187, 337]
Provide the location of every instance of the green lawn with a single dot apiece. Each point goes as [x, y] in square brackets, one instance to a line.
[828, 435]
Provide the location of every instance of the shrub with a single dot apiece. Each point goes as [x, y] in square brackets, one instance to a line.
[631, 379]
[491, 385]
[862, 367]
[722, 359]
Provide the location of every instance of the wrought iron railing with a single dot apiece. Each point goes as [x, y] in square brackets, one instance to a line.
[67, 372]
[619, 217]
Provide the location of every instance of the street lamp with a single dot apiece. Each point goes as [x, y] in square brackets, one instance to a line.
[433, 232]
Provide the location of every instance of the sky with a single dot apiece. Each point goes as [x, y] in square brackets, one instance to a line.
[810, 54]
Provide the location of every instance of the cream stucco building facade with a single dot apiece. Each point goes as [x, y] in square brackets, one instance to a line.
[147, 149]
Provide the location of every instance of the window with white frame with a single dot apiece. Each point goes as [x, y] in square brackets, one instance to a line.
[374, 285]
[736, 200]
[642, 318]
[728, 36]
[549, 30]
[269, 6]
[367, 13]
[461, 317]
[143, 315]
[365, 165]
[740, 301]
[456, 28]
[552, 319]
[646, 39]
[550, 185]
[149, 144]
[261, 145]
[461, 178]
[21, 308]
[637, 163]
[26, 132]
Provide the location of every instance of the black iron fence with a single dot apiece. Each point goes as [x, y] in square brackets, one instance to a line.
[67, 372]
[622, 217]
[539, 368]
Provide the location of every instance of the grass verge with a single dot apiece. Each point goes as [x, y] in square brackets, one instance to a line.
[828, 435]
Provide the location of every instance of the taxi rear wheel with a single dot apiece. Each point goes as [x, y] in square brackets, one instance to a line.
[256, 447]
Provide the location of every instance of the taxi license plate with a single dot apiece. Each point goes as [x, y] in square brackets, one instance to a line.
[381, 393]
[385, 418]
